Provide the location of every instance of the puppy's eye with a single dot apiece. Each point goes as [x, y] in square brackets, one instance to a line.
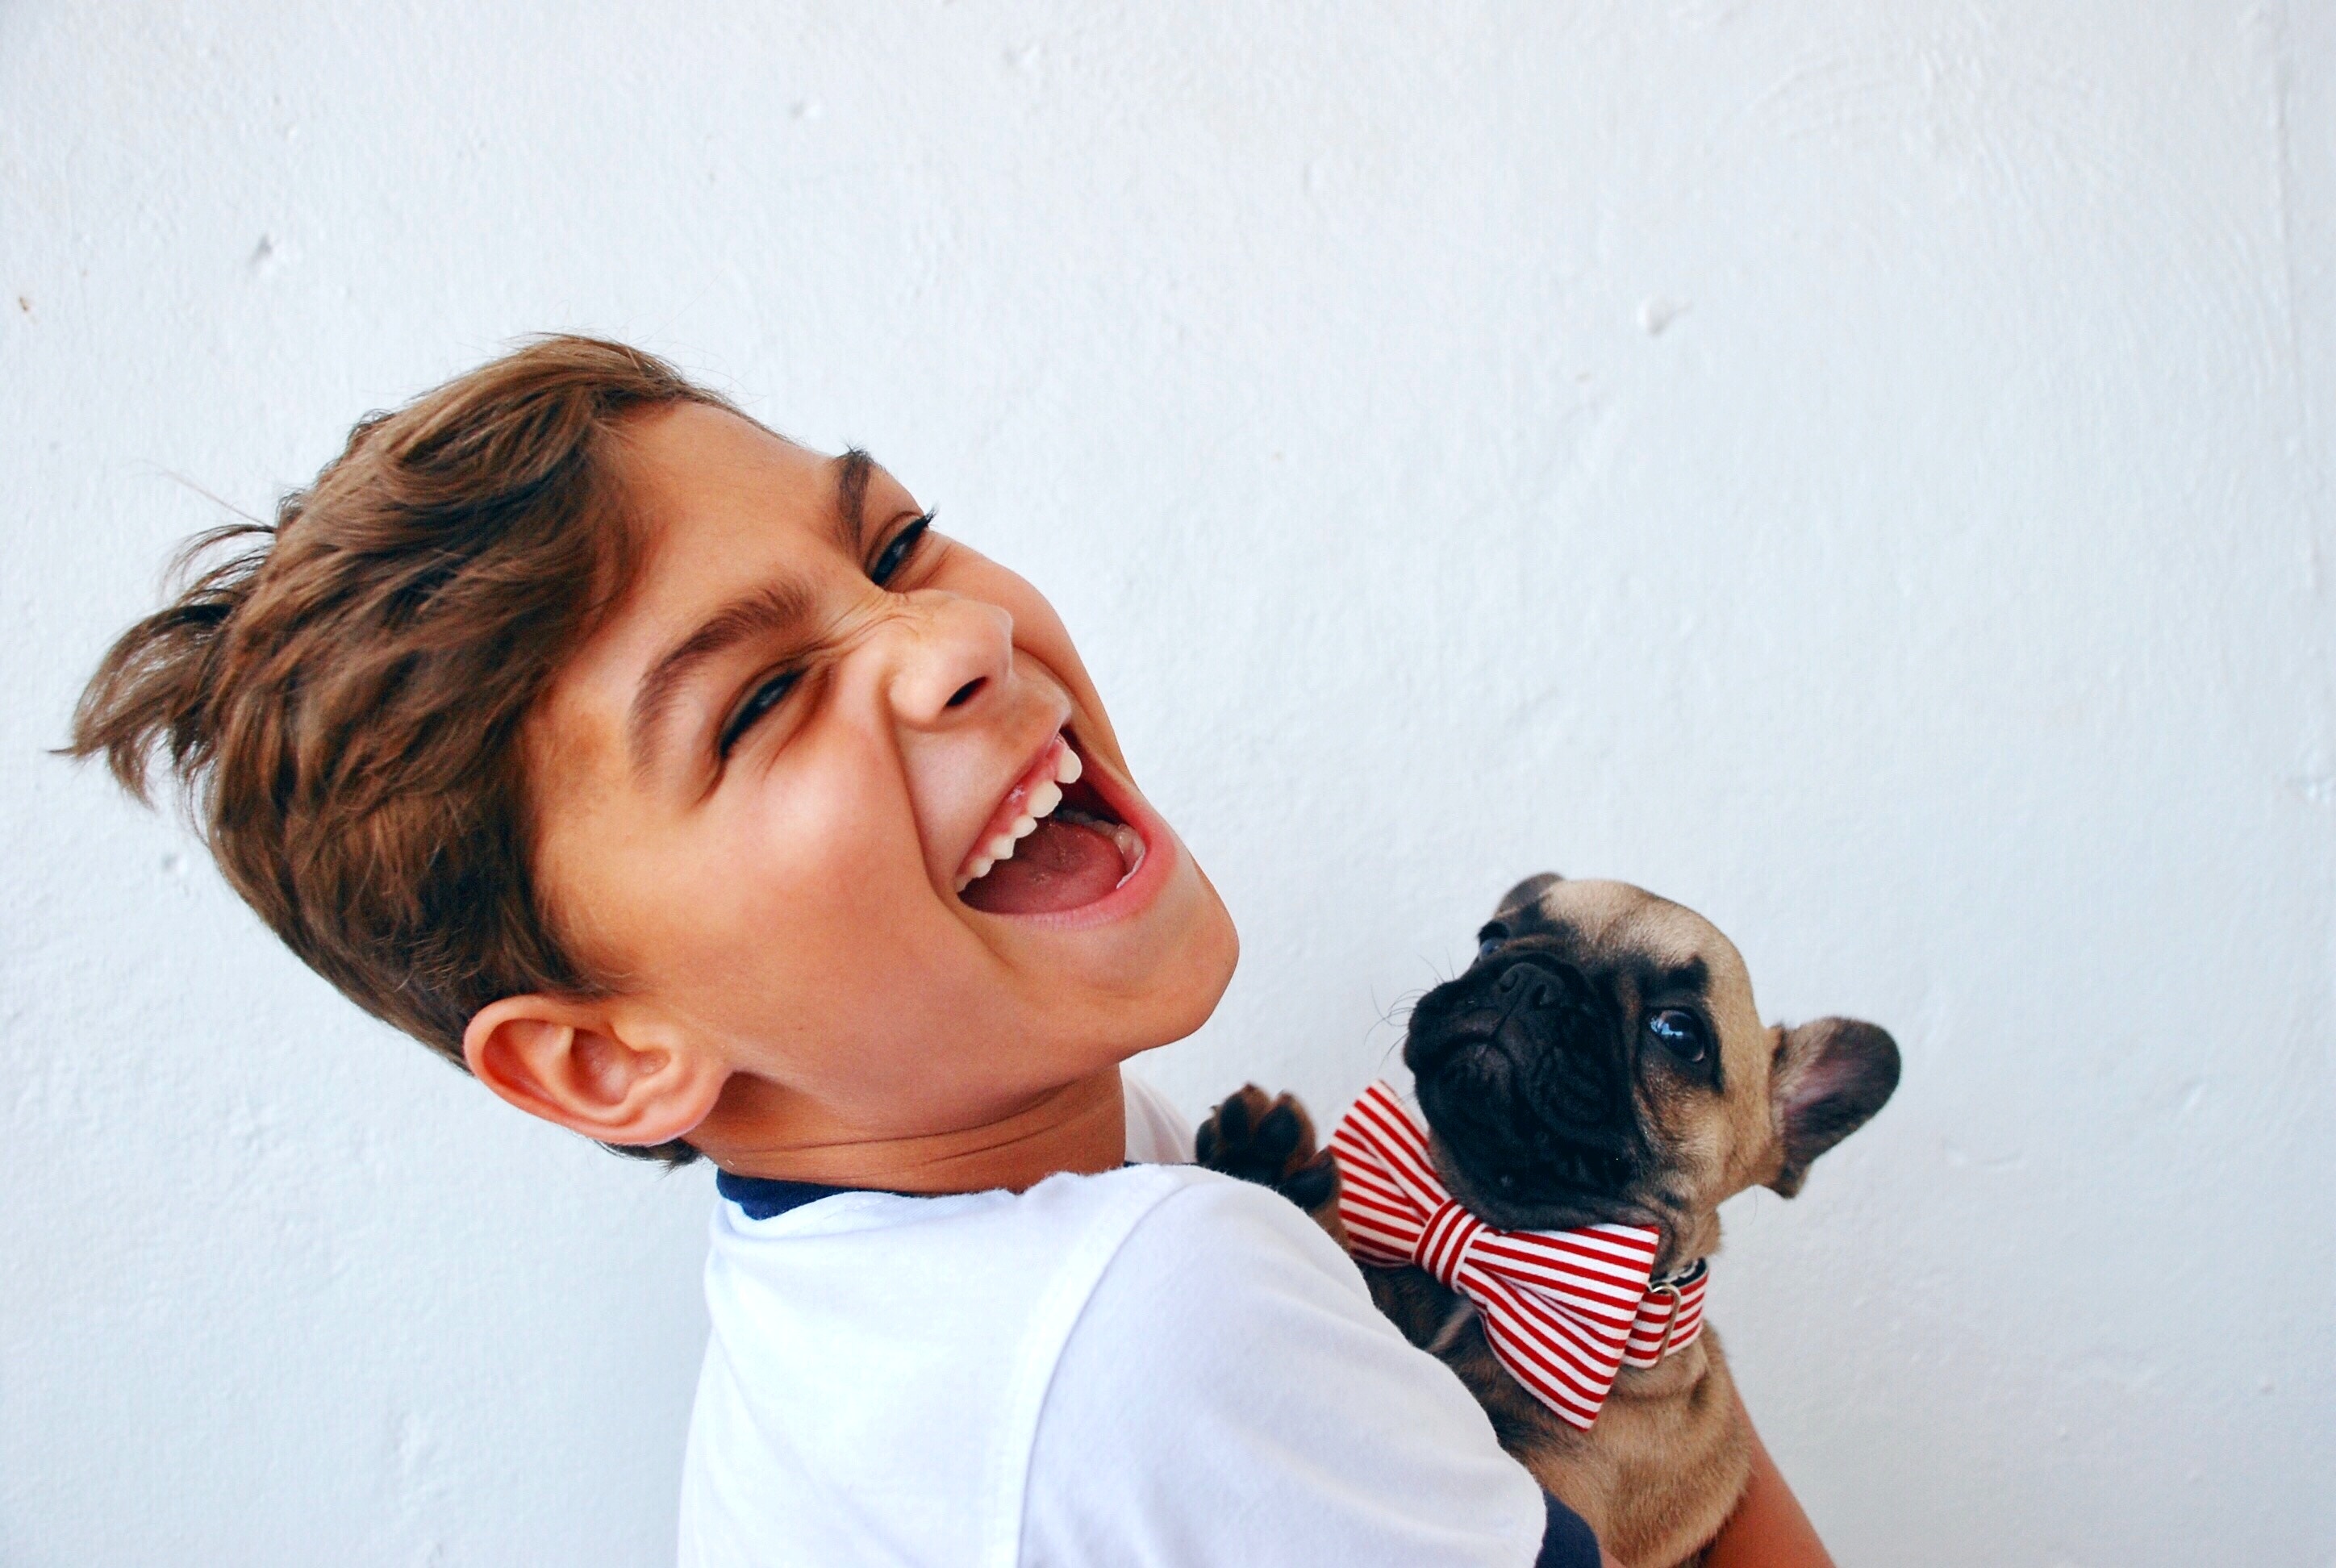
[1680, 1033]
[1490, 939]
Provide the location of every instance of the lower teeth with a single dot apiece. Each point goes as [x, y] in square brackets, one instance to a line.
[1129, 843]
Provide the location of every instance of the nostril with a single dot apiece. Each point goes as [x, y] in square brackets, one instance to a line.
[1530, 985]
[968, 692]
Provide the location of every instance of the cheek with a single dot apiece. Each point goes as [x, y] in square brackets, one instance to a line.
[794, 878]
[1717, 1142]
[1691, 1122]
[765, 908]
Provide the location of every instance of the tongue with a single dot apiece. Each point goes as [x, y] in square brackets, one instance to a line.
[1061, 866]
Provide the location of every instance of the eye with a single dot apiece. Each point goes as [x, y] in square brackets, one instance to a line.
[896, 553]
[1680, 1033]
[759, 702]
[1489, 939]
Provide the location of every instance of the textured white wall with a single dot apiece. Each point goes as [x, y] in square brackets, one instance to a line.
[1860, 468]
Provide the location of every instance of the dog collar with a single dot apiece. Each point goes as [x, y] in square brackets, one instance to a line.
[1563, 1311]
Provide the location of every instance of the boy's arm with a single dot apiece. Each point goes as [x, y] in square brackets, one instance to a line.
[1767, 1529]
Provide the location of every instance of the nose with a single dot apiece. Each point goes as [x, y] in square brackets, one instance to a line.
[953, 653]
[1529, 983]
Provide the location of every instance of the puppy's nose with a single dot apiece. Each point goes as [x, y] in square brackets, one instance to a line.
[1527, 983]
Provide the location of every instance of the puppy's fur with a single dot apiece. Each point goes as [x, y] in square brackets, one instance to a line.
[1600, 1061]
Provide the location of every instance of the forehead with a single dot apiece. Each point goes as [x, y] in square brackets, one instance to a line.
[701, 483]
[1606, 925]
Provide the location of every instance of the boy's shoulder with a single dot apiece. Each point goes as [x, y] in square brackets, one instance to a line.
[867, 1344]
[1066, 1373]
[1230, 1393]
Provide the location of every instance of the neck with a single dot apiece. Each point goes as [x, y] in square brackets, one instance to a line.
[1685, 1242]
[1675, 1375]
[763, 1130]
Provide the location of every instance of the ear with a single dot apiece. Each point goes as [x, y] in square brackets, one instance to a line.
[1829, 1077]
[1527, 893]
[616, 1079]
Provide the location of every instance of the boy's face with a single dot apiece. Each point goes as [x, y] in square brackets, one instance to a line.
[761, 788]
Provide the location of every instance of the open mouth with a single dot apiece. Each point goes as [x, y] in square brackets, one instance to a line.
[1054, 843]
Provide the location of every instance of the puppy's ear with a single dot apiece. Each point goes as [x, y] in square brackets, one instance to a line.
[1527, 893]
[1829, 1077]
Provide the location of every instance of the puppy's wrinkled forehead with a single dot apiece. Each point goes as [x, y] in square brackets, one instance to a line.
[1617, 932]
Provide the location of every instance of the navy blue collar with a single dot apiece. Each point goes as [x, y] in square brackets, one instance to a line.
[766, 1197]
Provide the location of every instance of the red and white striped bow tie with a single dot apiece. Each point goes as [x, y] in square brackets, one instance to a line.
[1565, 1311]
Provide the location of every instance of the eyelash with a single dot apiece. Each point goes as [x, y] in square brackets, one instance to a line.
[761, 701]
[895, 555]
[774, 691]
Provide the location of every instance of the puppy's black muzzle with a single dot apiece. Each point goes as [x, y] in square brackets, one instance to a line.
[1524, 1071]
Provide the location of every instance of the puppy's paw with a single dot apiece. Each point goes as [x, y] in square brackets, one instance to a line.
[1270, 1141]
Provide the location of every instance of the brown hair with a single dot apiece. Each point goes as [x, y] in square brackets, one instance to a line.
[340, 702]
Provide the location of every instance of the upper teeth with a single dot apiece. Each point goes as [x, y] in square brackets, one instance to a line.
[1044, 798]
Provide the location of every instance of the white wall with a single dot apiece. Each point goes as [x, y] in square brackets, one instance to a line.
[1860, 468]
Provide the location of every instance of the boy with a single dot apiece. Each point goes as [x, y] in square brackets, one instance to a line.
[691, 792]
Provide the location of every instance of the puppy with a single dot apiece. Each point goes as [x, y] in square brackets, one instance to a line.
[1599, 1064]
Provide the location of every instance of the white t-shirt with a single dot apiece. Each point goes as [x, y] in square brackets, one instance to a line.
[1158, 1365]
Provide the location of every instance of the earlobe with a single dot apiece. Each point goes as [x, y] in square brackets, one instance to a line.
[1829, 1077]
[578, 1064]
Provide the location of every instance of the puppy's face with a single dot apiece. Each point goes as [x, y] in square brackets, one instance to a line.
[1602, 1061]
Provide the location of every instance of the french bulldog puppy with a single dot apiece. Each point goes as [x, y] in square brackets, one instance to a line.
[1601, 1062]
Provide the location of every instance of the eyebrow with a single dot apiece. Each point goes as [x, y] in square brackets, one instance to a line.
[852, 471]
[773, 609]
[1690, 977]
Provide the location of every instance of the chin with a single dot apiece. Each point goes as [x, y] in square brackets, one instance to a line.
[1208, 952]
[1152, 982]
